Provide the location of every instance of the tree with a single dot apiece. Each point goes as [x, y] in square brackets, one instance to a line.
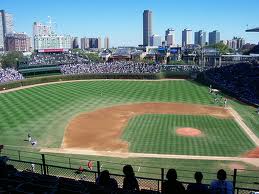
[221, 47]
[148, 61]
[181, 62]
[91, 56]
[94, 57]
[11, 59]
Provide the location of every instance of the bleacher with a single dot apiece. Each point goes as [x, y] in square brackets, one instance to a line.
[47, 63]
[239, 80]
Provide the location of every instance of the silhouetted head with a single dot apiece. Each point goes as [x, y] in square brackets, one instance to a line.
[171, 174]
[222, 175]
[198, 177]
[104, 177]
[128, 170]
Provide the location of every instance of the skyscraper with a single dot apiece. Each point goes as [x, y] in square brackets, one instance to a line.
[236, 43]
[240, 42]
[85, 44]
[155, 40]
[99, 43]
[6, 27]
[200, 38]
[214, 37]
[170, 37]
[94, 43]
[75, 43]
[106, 42]
[147, 27]
[186, 37]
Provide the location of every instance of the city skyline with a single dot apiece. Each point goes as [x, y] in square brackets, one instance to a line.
[129, 16]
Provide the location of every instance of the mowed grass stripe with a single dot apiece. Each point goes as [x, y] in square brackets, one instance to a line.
[46, 110]
[156, 134]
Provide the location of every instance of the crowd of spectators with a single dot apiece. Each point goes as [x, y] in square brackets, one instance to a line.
[41, 59]
[9, 74]
[14, 181]
[183, 68]
[240, 80]
[123, 67]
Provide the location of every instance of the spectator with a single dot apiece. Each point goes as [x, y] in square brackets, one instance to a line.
[43, 59]
[80, 170]
[172, 186]
[239, 80]
[198, 187]
[106, 183]
[122, 67]
[9, 74]
[221, 186]
[33, 167]
[130, 182]
[3, 167]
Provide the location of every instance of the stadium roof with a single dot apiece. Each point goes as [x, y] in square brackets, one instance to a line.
[253, 30]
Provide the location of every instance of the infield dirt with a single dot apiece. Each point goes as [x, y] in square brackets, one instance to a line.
[101, 130]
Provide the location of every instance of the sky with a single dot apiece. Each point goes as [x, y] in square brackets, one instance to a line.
[121, 20]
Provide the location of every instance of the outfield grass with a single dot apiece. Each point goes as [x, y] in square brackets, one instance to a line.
[156, 133]
[249, 115]
[44, 111]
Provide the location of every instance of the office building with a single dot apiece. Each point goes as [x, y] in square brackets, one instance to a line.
[214, 37]
[99, 43]
[240, 42]
[85, 43]
[92, 43]
[40, 29]
[75, 43]
[155, 40]
[236, 43]
[44, 37]
[106, 42]
[53, 42]
[186, 37]
[200, 38]
[17, 42]
[6, 27]
[170, 37]
[147, 27]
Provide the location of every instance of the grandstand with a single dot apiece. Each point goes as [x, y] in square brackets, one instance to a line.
[239, 80]
[48, 61]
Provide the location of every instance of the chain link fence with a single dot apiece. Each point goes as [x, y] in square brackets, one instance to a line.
[149, 178]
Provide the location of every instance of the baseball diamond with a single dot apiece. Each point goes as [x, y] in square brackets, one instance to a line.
[133, 108]
[135, 121]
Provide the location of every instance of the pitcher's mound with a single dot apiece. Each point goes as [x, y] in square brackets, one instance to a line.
[188, 131]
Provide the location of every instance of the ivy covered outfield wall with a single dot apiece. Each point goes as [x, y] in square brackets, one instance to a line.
[56, 78]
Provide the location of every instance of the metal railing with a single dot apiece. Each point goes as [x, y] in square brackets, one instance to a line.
[149, 178]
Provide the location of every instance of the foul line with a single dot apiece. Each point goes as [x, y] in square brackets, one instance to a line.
[246, 129]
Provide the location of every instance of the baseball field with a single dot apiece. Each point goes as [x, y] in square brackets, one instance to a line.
[130, 118]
